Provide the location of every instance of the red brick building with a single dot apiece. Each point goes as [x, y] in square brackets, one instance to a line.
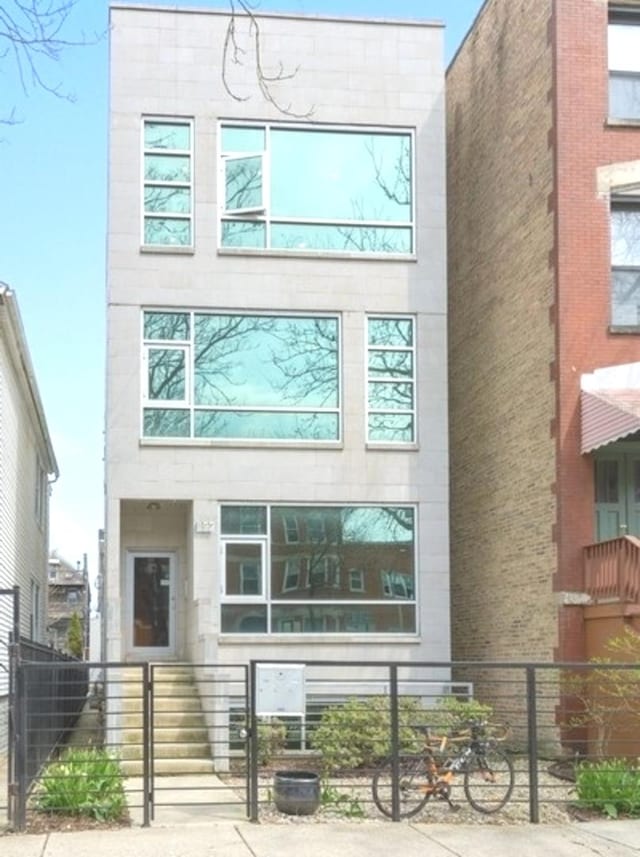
[543, 133]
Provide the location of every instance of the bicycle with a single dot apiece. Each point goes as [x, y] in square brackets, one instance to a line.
[488, 774]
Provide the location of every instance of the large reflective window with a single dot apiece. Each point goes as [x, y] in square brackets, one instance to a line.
[167, 177]
[624, 69]
[625, 259]
[332, 569]
[391, 380]
[247, 376]
[317, 189]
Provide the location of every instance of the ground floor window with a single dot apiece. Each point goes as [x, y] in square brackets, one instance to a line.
[351, 569]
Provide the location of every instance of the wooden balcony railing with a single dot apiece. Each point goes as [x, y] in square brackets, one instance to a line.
[612, 570]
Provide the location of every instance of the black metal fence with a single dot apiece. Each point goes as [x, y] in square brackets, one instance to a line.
[199, 739]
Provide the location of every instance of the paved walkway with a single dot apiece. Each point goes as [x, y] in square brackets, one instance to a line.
[364, 839]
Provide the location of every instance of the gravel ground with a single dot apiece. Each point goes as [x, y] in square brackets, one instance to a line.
[555, 797]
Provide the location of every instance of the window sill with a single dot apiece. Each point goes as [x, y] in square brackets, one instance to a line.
[240, 444]
[612, 122]
[323, 638]
[392, 447]
[317, 254]
[624, 329]
[167, 250]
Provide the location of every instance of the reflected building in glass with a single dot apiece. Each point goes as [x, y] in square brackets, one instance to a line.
[276, 448]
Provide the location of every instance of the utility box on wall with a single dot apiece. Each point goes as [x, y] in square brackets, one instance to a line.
[280, 689]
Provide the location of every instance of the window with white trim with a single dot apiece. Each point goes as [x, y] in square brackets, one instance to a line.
[41, 493]
[167, 193]
[241, 376]
[299, 588]
[316, 188]
[35, 611]
[625, 263]
[391, 387]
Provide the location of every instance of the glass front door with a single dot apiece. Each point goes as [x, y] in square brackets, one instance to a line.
[151, 599]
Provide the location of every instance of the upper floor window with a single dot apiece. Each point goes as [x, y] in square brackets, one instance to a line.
[241, 376]
[624, 64]
[167, 183]
[625, 263]
[391, 379]
[303, 188]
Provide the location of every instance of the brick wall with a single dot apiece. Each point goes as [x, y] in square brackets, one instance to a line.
[501, 337]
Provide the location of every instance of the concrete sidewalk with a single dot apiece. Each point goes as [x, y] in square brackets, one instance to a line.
[365, 839]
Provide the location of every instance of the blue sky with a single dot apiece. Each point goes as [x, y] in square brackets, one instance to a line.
[52, 235]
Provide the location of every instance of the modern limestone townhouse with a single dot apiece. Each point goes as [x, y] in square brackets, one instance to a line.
[276, 439]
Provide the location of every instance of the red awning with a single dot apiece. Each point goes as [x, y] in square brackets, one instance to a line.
[608, 415]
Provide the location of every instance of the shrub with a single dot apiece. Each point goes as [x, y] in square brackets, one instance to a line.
[611, 786]
[75, 637]
[608, 697]
[272, 735]
[451, 714]
[357, 733]
[83, 782]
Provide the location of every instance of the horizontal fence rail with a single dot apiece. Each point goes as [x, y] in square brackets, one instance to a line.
[334, 739]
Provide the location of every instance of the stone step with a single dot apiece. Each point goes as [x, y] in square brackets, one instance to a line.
[190, 735]
[169, 767]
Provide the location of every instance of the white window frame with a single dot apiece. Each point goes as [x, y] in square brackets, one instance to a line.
[356, 580]
[413, 380]
[182, 184]
[263, 214]
[325, 573]
[41, 493]
[35, 610]
[240, 597]
[188, 404]
[293, 575]
[363, 609]
[159, 345]
[291, 529]
[632, 204]
[395, 580]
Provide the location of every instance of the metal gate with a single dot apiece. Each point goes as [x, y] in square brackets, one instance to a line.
[177, 734]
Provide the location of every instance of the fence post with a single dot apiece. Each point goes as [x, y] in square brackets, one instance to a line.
[14, 659]
[253, 746]
[395, 744]
[532, 745]
[20, 760]
[147, 796]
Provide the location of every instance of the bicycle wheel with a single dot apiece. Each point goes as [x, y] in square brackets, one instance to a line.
[488, 780]
[413, 779]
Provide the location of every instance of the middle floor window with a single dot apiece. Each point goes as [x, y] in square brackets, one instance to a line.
[241, 376]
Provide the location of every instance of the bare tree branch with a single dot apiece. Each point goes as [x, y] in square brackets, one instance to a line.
[32, 36]
[234, 54]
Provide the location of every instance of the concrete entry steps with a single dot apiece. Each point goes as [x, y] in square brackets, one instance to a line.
[180, 737]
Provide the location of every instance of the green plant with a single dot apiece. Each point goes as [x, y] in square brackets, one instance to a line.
[357, 733]
[75, 638]
[272, 735]
[611, 786]
[344, 803]
[608, 697]
[83, 782]
[451, 714]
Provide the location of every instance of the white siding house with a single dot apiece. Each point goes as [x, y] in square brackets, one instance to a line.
[276, 449]
[27, 467]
